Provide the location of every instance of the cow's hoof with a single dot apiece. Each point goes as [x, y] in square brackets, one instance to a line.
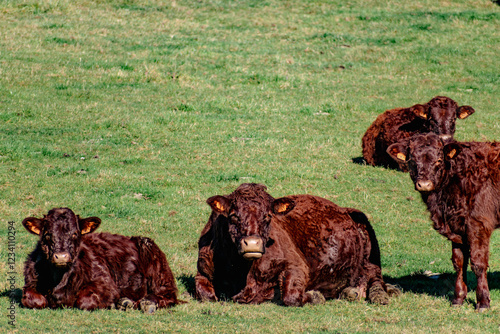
[457, 302]
[124, 304]
[377, 295]
[351, 294]
[315, 297]
[393, 290]
[147, 306]
[480, 308]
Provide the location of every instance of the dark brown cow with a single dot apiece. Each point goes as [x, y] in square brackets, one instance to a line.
[437, 116]
[300, 249]
[72, 267]
[460, 183]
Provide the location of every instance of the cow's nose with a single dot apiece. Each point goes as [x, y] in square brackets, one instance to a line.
[61, 258]
[424, 185]
[252, 247]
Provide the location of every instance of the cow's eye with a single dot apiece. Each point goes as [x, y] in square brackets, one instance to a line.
[48, 237]
[74, 236]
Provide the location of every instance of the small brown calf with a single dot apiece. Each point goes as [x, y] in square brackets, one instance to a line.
[460, 183]
[73, 267]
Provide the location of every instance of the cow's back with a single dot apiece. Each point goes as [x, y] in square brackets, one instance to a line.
[117, 252]
[330, 240]
[389, 127]
[476, 173]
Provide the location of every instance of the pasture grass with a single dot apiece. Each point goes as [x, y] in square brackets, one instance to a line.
[137, 111]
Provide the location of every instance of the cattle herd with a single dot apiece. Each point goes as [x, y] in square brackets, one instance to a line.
[292, 250]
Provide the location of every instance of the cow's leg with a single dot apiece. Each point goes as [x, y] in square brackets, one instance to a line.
[255, 292]
[204, 288]
[205, 276]
[479, 241]
[88, 299]
[96, 295]
[125, 304]
[377, 290]
[460, 259]
[293, 287]
[33, 299]
[261, 281]
[163, 296]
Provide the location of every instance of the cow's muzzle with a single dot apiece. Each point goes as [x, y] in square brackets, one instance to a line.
[61, 259]
[252, 247]
[424, 185]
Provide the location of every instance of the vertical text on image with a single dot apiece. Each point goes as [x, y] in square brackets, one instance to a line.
[11, 272]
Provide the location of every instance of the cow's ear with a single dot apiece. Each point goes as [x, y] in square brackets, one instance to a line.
[420, 111]
[88, 225]
[283, 205]
[33, 225]
[464, 111]
[219, 204]
[397, 151]
[451, 151]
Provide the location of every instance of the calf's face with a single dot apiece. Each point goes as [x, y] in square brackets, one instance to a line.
[425, 155]
[441, 114]
[60, 234]
[249, 220]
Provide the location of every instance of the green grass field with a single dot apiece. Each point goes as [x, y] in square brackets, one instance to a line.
[137, 111]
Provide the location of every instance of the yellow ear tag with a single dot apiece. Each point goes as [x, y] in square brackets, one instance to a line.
[401, 156]
[452, 153]
[88, 228]
[219, 206]
[463, 115]
[35, 229]
[282, 207]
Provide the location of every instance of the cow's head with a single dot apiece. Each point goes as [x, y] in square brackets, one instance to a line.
[60, 234]
[248, 212]
[440, 115]
[427, 159]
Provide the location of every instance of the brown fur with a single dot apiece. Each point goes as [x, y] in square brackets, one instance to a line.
[101, 268]
[460, 183]
[437, 116]
[310, 245]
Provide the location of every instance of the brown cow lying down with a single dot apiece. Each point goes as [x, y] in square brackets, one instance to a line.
[72, 267]
[300, 249]
[437, 116]
[460, 183]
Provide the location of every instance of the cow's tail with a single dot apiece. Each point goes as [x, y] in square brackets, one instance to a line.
[378, 291]
[360, 218]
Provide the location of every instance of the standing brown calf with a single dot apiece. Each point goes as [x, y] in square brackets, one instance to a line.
[460, 183]
[300, 249]
[73, 267]
[437, 116]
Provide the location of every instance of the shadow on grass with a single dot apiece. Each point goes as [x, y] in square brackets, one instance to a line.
[496, 2]
[188, 282]
[14, 295]
[360, 160]
[439, 285]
